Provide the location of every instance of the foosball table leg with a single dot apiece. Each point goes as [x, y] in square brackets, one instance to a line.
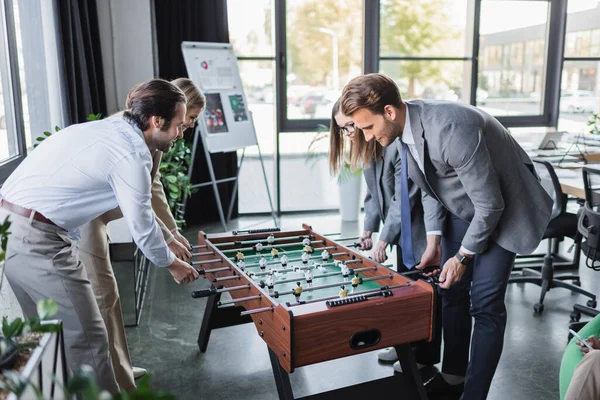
[206, 328]
[282, 378]
[410, 369]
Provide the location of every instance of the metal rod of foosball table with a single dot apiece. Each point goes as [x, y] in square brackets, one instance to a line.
[204, 253]
[205, 271]
[254, 241]
[292, 269]
[295, 259]
[346, 239]
[207, 292]
[330, 285]
[358, 293]
[332, 234]
[257, 310]
[324, 275]
[269, 247]
[226, 278]
[291, 251]
[200, 246]
[201, 262]
[240, 300]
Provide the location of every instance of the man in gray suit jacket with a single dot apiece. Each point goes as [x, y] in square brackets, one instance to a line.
[468, 166]
[382, 205]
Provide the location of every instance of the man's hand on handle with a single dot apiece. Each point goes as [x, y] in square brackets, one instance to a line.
[180, 250]
[182, 272]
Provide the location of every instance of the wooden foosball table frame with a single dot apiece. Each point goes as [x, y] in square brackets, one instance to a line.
[303, 333]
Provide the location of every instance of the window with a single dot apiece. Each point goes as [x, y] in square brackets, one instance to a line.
[514, 83]
[426, 47]
[12, 143]
[580, 95]
[251, 32]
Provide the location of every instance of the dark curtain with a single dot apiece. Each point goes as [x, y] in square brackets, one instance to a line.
[197, 21]
[83, 59]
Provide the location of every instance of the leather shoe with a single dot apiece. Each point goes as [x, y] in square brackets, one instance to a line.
[437, 386]
[138, 372]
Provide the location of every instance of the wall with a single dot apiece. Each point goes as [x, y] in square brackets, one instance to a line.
[127, 40]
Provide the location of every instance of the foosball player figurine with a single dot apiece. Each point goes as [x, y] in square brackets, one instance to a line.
[242, 264]
[258, 247]
[274, 272]
[305, 257]
[270, 283]
[262, 263]
[306, 242]
[343, 292]
[320, 267]
[271, 239]
[298, 291]
[275, 253]
[325, 255]
[250, 274]
[284, 261]
[308, 249]
[345, 270]
[239, 256]
[308, 276]
[355, 282]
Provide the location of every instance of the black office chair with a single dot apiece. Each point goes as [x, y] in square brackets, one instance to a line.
[589, 228]
[562, 224]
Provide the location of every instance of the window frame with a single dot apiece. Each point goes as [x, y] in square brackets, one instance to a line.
[11, 89]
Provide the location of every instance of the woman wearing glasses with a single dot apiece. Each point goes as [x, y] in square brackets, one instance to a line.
[382, 172]
[93, 251]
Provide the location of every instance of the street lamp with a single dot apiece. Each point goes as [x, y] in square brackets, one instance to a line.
[334, 51]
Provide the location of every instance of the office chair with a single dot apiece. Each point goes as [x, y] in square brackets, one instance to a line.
[589, 227]
[562, 224]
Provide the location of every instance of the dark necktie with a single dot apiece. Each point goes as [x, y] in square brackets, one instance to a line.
[408, 257]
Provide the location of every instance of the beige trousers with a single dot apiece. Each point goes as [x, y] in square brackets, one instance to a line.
[42, 263]
[585, 384]
[104, 286]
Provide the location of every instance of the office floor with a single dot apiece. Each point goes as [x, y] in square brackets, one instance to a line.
[236, 364]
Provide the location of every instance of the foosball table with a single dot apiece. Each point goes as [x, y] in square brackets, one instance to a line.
[311, 299]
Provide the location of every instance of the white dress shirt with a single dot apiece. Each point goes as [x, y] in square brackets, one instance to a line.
[83, 171]
[408, 139]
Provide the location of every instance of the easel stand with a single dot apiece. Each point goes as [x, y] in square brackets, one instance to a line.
[214, 181]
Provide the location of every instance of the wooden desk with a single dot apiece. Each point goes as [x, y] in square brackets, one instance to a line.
[573, 187]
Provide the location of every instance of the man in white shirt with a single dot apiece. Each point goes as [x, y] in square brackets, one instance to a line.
[482, 203]
[74, 176]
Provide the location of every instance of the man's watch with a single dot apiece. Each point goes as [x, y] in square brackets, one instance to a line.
[464, 260]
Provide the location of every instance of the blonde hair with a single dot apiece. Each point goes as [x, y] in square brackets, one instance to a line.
[193, 95]
[357, 153]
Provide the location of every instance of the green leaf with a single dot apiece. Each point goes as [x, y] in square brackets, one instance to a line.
[40, 138]
[171, 178]
[13, 329]
[48, 133]
[46, 309]
[173, 189]
[56, 128]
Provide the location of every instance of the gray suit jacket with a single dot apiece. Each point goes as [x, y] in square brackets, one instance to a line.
[476, 170]
[382, 203]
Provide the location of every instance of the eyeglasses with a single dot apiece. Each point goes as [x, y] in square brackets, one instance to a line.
[347, 129]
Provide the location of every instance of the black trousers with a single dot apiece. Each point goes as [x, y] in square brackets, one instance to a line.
[479, 295]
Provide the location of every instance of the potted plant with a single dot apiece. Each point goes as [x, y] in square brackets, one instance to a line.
[349, 181]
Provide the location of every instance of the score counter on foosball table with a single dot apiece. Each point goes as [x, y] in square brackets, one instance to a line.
[311, 298]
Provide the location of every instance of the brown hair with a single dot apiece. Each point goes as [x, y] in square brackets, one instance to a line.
[357, 151]
[371, 91]
[155, 97]
[193, 95]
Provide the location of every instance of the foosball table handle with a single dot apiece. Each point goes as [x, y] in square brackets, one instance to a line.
[196, 294]
[200, 271]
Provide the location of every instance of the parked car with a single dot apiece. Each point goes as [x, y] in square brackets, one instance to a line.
[582, 101]
[318, 104]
